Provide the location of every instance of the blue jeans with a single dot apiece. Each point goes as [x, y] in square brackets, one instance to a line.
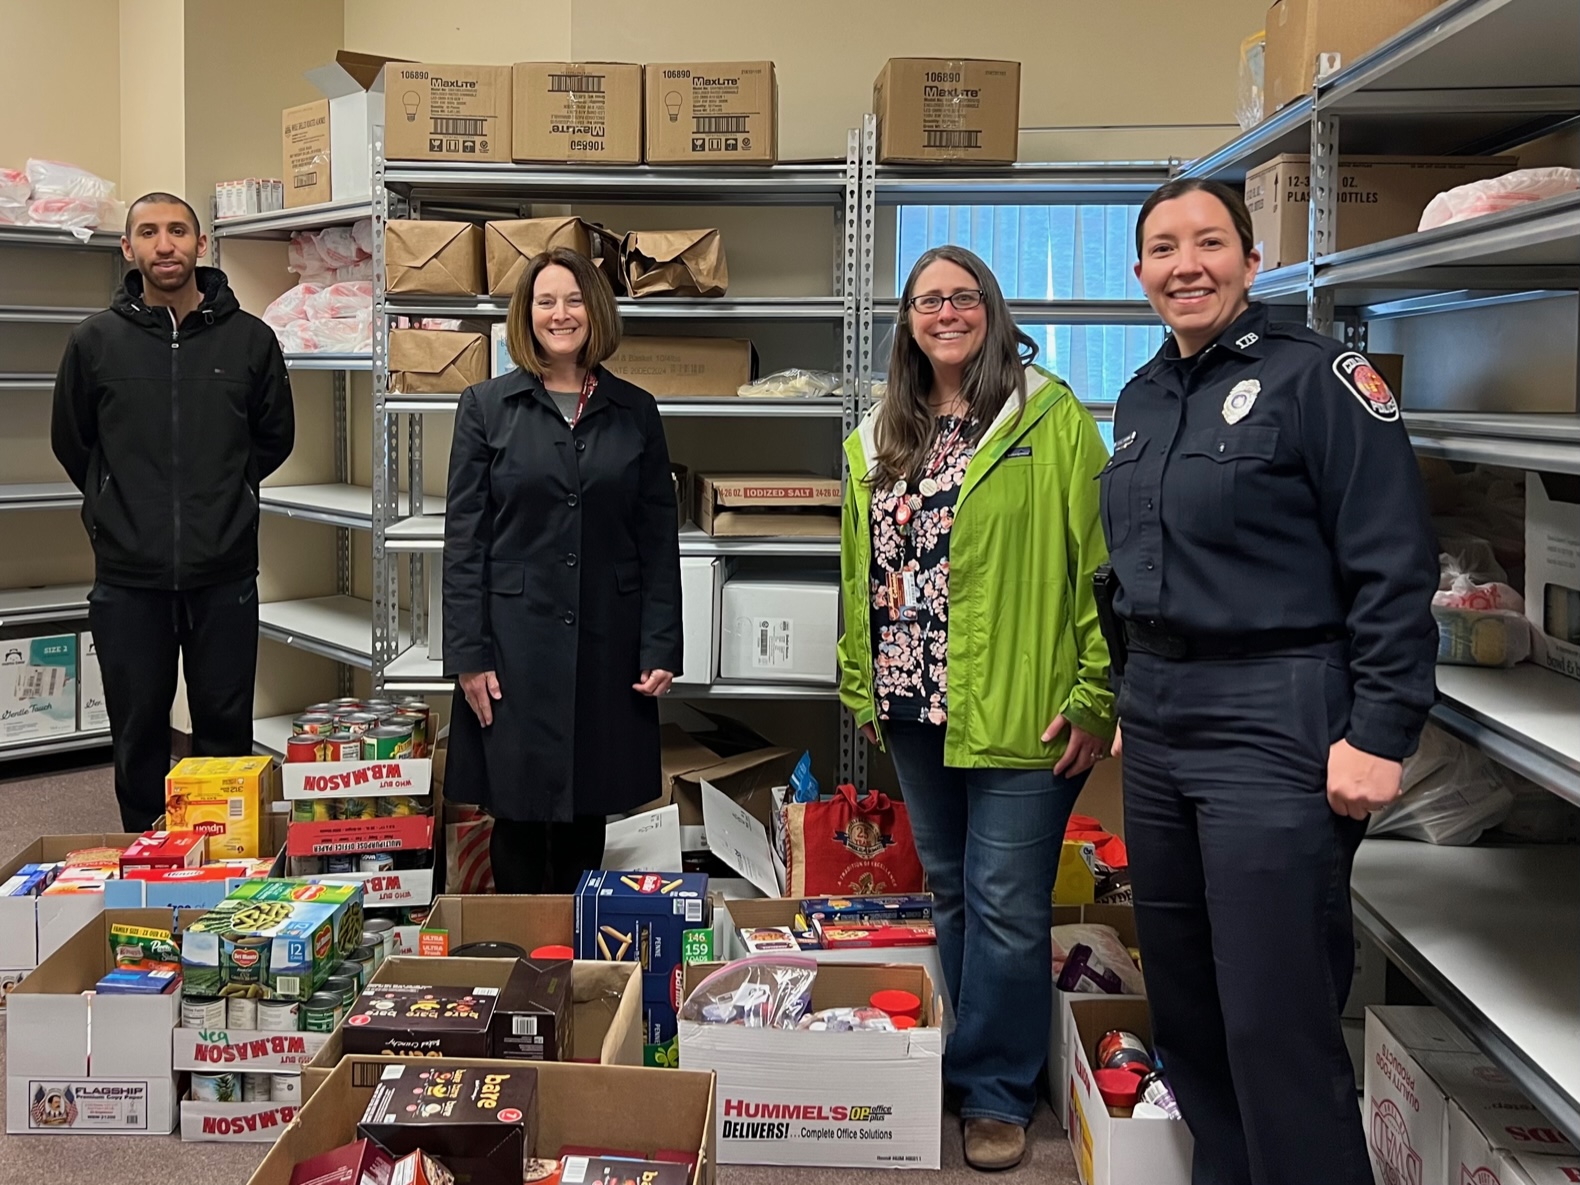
[989, 840]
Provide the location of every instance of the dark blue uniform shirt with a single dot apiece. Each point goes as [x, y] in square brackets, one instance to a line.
[1267, 484]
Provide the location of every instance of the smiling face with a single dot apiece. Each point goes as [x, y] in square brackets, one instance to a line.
[163, 244]
[950, 337]
[1194, 269]
[559, 320]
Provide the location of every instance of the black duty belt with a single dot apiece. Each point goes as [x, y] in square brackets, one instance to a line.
[1156, 638]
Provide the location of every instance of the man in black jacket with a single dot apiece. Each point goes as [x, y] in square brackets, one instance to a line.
[170, 407]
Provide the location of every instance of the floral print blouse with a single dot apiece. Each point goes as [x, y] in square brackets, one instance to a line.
[911, 642]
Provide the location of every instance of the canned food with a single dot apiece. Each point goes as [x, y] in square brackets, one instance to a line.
[241, 1012]
[351, 969]
[1118, 1049]
[244, 959]
[307, 865]
[416, 915]
[337, 865]
[376, 862]
[379, 933]
[327, 707]
[216, 1088]
[365, 957]
[399, 806]
[279, 1016]
[358, 722]
[304, 748]
[322, 1012]
[419, 729]
[380, 703]
[286, 1088]
[257, 1088]
[202, 1012]
[342, 746]
[358, 808]
[313, 724]
[347, 701]
[346, 987]
[387, 743]
[313, 810]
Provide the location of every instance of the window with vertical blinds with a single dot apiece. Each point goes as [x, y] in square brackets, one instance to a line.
[1053, 252]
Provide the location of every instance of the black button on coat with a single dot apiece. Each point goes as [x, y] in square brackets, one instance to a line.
[561, 575]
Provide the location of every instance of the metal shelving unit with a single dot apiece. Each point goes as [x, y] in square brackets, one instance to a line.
[477, 192]
[1475, 928]
[62, 607]
[279, 225]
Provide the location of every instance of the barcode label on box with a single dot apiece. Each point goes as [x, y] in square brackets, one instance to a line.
[523, 1026]
[236, 808]
[694, 910]
[771, 641]
[459, 127]
[722, 125]
[304, 180]
[289, 986]
[577, 83]
[952, 139]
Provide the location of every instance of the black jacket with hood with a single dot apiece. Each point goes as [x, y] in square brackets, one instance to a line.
[168, 430]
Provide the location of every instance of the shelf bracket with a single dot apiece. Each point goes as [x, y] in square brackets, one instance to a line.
[1322, 213]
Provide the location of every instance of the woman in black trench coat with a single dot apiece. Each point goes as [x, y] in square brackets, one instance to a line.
[561, 584]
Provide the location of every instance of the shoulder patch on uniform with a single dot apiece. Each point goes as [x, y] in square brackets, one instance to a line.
[1361, 377]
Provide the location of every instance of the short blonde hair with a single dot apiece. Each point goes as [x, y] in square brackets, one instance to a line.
[603, 314]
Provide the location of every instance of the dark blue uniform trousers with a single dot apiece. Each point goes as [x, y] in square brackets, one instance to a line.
[1241, 873]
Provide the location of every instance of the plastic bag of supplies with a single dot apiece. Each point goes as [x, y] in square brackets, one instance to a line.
[1451, 794]
[1478, 623]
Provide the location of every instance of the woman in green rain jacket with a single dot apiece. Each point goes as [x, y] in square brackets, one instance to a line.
[972, 649]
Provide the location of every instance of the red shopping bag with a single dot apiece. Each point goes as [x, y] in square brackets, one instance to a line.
[847, 845]
[467, 865]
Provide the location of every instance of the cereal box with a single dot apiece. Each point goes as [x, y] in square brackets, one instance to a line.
[223, 798]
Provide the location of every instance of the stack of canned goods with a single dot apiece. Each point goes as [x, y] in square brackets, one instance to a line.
[360, 730]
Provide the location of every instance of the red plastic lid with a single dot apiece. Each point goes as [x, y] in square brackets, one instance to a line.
[903, 1022]
[1119, 1088]
[553, 952]
[897, 1003]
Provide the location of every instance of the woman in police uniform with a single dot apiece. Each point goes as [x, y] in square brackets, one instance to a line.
[1275, 564]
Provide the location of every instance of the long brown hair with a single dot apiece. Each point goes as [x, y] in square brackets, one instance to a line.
[904, 426]
[603, 314]
[1239, 216]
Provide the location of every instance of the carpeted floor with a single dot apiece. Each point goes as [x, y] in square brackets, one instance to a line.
[60, 797]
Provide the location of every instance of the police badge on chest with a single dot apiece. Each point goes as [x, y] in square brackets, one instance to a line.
[1241, 398]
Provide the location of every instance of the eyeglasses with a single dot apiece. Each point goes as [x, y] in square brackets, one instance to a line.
[970, 298]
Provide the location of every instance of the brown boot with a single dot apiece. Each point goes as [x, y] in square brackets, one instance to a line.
[992, 1144]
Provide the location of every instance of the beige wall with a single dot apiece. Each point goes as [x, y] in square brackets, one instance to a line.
[487, 32]
[152, 104]
[62, 74]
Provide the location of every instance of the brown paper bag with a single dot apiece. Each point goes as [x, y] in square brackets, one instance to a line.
[675, 263]
[436, 361]
[512, 244]
[433, 258]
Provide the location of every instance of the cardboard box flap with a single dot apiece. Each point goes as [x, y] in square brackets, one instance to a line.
[674, 263]
[680, 753]
[348, 73]
[419, 242]
[430, 351]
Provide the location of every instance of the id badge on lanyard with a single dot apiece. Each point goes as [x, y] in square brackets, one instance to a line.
[589, 385]
[903, 594]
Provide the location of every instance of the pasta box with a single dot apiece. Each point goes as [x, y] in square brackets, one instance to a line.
[482, 1123]
[640, 917]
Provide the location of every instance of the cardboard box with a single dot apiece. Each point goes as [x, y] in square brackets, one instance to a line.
[747, 778]
[310, 927]
[673, 263]
[737, 504]
[49, 1032]
[533, 1016]
[1405, 1111]
[567, 113]
[214, 1051]
[1110, 1150]
[445, 112]
[701, 599]
[1488, 1119]
[431, 258]
[65, 1106]
[93, 715]
[1339, 31]
[1535, 1169]
[1552, 568]
[606, 1025]
[234, 1123]
[346, 1165]
[165, 850]
[436, 361]
[865, 1100]
[480, 1121]
[626, 1107]
[328, 158]
[1380, 197]
[426, 1020]
[511, 244]
[685, 366]
[945, 109]
[38, 688]
[1123, 919]
[528, 921]
[780, 629]
[33, 928]
[304, 150]
[224, 798]
[712, 113]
